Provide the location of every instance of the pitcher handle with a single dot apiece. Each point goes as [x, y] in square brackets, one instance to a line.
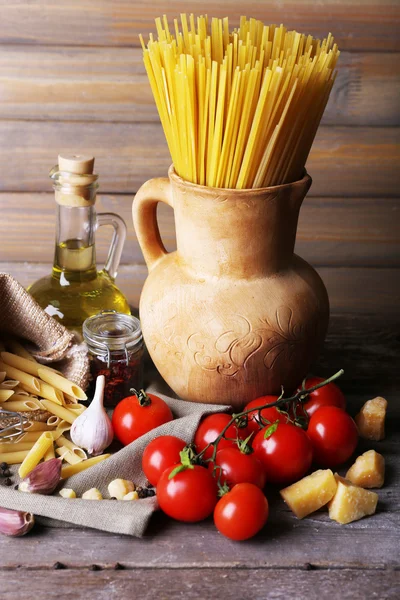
[144, 213]
[117, 242]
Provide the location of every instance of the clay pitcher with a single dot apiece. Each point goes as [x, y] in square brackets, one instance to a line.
[233, 314]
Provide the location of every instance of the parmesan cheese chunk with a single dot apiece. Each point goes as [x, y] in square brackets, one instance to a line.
[371, 419]
[310, 493]
[92, 494]
[351, 502]
[368, 471]
[67, 493]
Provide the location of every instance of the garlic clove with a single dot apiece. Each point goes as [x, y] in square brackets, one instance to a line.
[43, 479]
[15, 523]
[93, 430]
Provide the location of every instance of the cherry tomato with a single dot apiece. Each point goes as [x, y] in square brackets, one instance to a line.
[210, 428]
[136, 415]
[286, 454]
[333, 435]
[161, 453]
[329, 395]
[271, 414]
[238, 467]
[242, 512]
[189, 496]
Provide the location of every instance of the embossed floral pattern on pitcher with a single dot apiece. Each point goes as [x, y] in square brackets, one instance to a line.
[233, 313]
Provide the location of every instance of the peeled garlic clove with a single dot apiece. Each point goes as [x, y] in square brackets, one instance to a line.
[43, 479]
[93, 430]
[15, 522]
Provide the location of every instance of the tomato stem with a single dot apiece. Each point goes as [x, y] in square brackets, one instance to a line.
[298, 397]
[143, 398]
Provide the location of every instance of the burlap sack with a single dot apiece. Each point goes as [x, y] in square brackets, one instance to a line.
[49, 342]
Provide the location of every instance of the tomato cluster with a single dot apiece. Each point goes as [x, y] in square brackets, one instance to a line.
[235, 458]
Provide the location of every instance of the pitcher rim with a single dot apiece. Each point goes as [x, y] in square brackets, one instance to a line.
[173, 175]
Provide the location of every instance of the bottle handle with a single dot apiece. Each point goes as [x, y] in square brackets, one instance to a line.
[117, 242]
[144, 213]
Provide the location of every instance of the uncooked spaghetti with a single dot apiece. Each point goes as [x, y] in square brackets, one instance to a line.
[239, 109]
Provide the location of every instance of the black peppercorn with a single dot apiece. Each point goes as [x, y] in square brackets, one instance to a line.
[151, 493]
[8, 481]
[3, 466]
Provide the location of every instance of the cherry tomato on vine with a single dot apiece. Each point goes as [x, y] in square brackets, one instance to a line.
[242, 512]
[333, 435]
[161, 453]
[286, 454]
[210, 428]
[137, 414]
[328, 395]
[271, 414]
[237, 467]
[189, 496]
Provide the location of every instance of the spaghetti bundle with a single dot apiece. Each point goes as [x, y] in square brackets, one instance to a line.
[239, 109]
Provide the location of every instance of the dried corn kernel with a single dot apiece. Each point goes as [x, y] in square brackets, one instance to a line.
[131, 496]
[118, 488]
[92, 494]
[67, 493]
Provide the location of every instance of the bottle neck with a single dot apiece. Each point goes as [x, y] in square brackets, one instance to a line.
[75, 255]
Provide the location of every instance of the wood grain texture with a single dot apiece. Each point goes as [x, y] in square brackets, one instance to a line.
[351, 290]
[110, 84]
[332, 231]
[359, 161]
[362, 24]
[192, 584]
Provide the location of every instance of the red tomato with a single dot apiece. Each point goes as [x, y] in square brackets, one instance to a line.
[286, 454]
[190, 495]
[333, 435]
[271, 414]
[242, 512]
[210, 428]
[329, 395]
[238, 467]
[134, 416]
[161, 453]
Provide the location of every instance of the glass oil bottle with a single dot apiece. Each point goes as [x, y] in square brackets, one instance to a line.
[75, 290]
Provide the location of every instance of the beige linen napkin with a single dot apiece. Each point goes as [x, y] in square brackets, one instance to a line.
[116, 516]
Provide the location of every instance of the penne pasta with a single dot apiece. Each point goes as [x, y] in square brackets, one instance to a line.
[19, 390]
[53, 421]
[63, 441]
[2, 376]
[15, 446]
[14, 458]
[69, 456]
[36, 426]
[49, 454]
[36, 453]
[76, 409]
[50, 393]
[63, 426]
[21, 363]
[19, 350]
[9, 384]
[69, 470]
[59, 411]
[70, 399]
[61, 383]
[33, 436]
[29, 381]
[23, 405]
[5, 395]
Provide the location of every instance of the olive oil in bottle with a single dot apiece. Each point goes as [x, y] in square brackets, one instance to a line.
[75, 290]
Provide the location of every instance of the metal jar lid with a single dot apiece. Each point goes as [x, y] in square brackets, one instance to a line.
[109, 331]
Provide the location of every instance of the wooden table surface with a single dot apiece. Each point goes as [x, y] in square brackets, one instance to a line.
[290, 558]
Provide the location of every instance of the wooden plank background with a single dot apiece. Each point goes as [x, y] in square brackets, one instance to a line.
[72, 79]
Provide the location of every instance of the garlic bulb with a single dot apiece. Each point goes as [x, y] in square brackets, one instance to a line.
[93, 430]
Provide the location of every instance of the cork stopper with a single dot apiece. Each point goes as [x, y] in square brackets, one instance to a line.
[75, 184]
[80, 164]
